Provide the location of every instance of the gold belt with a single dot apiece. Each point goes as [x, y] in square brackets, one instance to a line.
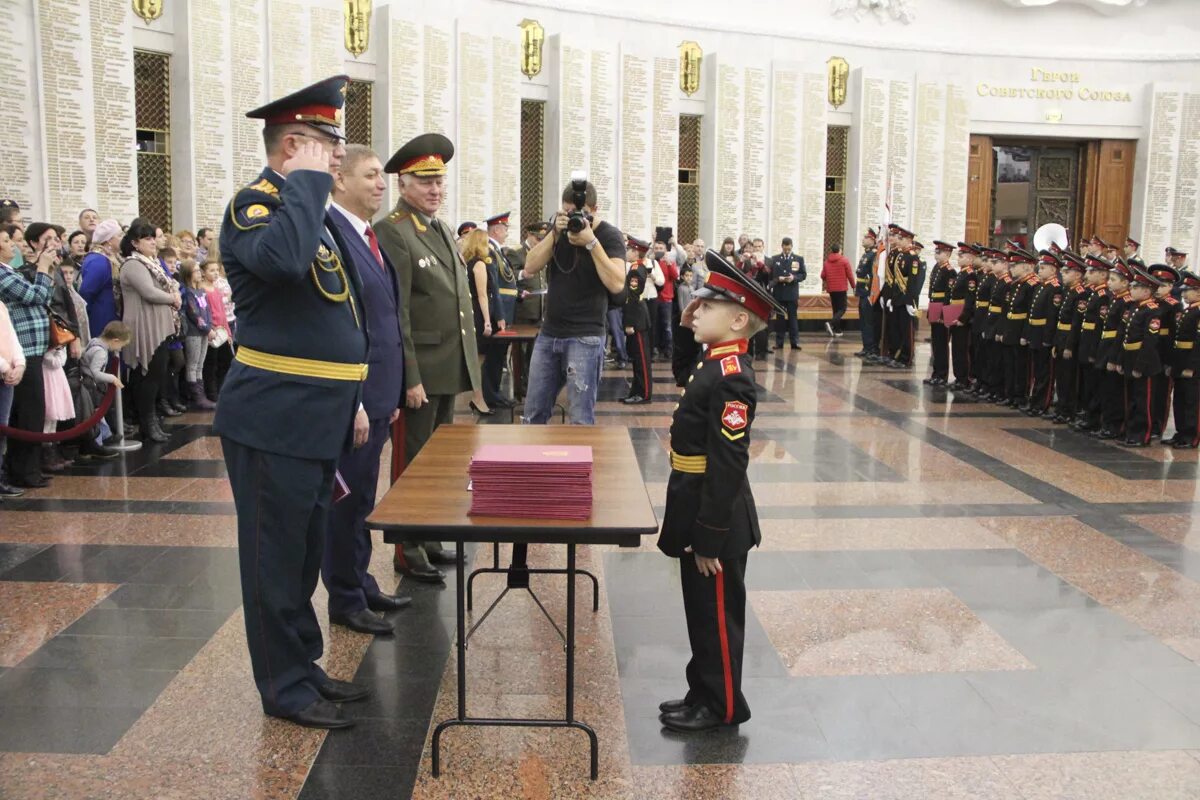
[995, 309]
[1184, 345]
[1019, 316]
[306, 367]
[958, 302]
[695, 465]
[1133, 345]
[508, 292]
[1037, 323]
[1108, 335]
[937, 296]
[1064, 326]
[1089, 326]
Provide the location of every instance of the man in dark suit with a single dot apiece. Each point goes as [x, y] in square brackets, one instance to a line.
[787, 273]
[291, 401]
[354, 595]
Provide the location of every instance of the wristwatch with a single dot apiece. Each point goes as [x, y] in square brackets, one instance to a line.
[591, 244]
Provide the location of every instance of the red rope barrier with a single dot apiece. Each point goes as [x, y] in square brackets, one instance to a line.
[22, 435]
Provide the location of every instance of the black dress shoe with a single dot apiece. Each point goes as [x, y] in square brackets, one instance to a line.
[695, 719]
[860, 354]
[336, 691]
[1170, 442]
[928, 381]
[10, 491]
[1105, 434]
[37, 483]
[502, 403]
[1183, 446]
[363, 621]
[673, 706]
[166, 409]
[636, 400]
[1135, 443]
[443, 557]
[425, 574]
[92, 450]
[388, 602]
[319, 714]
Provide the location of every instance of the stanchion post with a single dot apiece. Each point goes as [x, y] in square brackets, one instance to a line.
[120, 444]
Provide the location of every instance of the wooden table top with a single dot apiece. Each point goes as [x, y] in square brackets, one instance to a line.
[430, 501]
[520, 332]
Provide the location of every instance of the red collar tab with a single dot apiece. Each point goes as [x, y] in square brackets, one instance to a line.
[735, 348]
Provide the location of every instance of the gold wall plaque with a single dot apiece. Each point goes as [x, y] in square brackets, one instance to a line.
[839, 79]
[690, 56]
[533, 35]
[148, 10]
[357, 20]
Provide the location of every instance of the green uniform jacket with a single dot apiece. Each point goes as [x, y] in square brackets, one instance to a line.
[435, 303]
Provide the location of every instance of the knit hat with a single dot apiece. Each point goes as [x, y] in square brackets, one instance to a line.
[105, 231]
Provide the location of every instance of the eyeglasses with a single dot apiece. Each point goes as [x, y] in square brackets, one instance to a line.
[323, 139]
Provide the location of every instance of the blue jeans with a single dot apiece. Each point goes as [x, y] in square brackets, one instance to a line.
[616, 327]
[575, 363]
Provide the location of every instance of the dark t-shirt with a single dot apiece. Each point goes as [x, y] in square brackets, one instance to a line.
[577, 300]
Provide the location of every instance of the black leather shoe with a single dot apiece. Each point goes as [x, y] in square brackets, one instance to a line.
[1135, 443]
[697, 719]
[363, 621]
[636, 400]
[388, 602]
[39, 483]
[10, 491]
[425, 574]
[444, 557]
[166, 409]
[1104, 434]
[1170, 442]
[673, 706]
[1183, 446]
[336, 691]
[319, 714]
[503, 402]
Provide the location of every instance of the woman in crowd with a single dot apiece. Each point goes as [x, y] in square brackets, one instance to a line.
[12, 368]
[481, 279]
[729, 251]
[151, 301]
[100, 276]
[28, 302]
[220, 335]
[77, 247]
[187, 244]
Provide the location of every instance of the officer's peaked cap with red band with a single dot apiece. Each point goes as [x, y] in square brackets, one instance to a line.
[726, 282]
[319, 105]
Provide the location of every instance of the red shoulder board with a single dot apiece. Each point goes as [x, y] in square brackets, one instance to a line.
[736, 416]
[731, 365]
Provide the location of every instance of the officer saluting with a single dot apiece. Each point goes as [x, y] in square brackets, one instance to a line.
[290, 403]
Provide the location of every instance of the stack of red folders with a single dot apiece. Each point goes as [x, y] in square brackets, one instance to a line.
[538, 481]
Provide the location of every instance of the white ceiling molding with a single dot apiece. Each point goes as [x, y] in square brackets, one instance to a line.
[882, 10]
[1103, 6]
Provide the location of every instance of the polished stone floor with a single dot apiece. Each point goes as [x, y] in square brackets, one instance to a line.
[952, 601]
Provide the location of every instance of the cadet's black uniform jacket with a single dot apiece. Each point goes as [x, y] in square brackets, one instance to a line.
[1171, 312]
[1070, 320]
[1093, 325]
[941, 278]
[862, 274]
[1020, 300]
[1115, 321]
[983, 299]
[963, 292]
[998, 306]
[1043, 313]
[633, 310]
[1140, 348]
[709, 504]
[1186, 353]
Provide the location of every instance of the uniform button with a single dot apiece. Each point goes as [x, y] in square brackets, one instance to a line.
[701, 364]
[464, 331]
[461, 314]
[692, 378]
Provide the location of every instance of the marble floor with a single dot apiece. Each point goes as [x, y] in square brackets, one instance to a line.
[952, 601]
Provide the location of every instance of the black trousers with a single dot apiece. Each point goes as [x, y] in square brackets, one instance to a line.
[716, 622]
[1163, 387]
[146, 381]
[867, 326]
[1090, 393]
[639, 357]
[961, 342]
[28, 414]
[1013, 374]
[876, 327]
[903, 331]
[495, 356]
[939, 337]
[1186, 406]
[1066, 383]
[979, 358]
[283, 506]
[216, 364]
[759, 343]
[175, 364]
[347, 552]
[837, 301]
[1112, 401]
[1041, 368]
[791, 321]
[1139, 410]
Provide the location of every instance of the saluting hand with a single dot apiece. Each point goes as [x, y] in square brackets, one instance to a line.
[689, 313]
[311, 155]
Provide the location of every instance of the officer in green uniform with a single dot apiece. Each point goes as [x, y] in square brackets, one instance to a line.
[441, 360]
[292, 399]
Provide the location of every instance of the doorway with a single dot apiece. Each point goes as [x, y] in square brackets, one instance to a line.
[1035, 185]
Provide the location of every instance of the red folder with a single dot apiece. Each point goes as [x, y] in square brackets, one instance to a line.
[951, 313]
[934, 312]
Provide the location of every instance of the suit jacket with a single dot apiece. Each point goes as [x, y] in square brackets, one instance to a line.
[435, 303]
[298, 295]
[383, 390]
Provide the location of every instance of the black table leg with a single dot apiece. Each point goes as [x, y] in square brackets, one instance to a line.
[461, 646]
[570, 715]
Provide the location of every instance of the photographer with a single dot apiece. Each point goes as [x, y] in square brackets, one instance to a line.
[585, 258]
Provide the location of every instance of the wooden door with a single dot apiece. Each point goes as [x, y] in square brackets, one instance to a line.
[980, 175]
[1107, 194]
[1055, 175]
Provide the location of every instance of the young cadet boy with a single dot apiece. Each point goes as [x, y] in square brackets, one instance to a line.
[1185, 366]
[1090, 368]
[635, 319]
[1066, 338]
[710, 522]
[1039, 333]
[1108, 357]
[1170, 309]
[1140, 359]
[962, 294]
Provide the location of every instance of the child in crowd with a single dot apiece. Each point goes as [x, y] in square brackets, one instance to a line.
[95, 378]
[59, 405]
[222, 284]
[170, 403]
[220, 336]
[197, 322]
[710, 523]
[635, 321]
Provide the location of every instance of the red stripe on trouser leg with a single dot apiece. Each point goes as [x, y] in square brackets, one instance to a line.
[1149, 412]
[645, 367]
[725, 666]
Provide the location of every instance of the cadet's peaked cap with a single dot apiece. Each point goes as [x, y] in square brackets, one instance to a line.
[944, 247]
[424, 156]
[1073, 261]
[466, 227]
[1172, 251]
[1122, 269]
[918, 245]
[1132, 241]
[1189, 279]
[905, 232]
[726, 282]
[319, 105]
[1164, 273]
[1019, 256]
[498, 219]
[635, 243]
[871, 233]
[1143, 278]
[1047, 257]
[6, 203]
[963, 247]
[1098, 263]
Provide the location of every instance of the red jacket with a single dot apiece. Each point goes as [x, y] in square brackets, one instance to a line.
[836, 273]
[666, 292]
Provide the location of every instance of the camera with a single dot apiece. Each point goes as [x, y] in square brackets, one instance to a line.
[578, 219]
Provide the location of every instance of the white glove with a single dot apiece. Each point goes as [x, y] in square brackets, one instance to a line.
[889, 304]
[912, 310]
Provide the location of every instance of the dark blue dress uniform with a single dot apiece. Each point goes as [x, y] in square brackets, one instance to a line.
[710, 509]
[868, 313]
[348, 549]
[788, 294]
[288, 404]
[1185, 369]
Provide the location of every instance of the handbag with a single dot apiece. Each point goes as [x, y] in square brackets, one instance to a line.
[60, 332]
